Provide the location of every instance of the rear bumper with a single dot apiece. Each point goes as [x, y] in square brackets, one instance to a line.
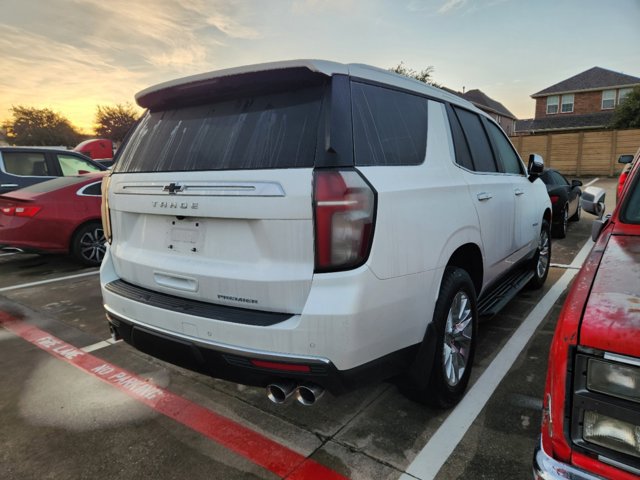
[236, 365]
[547, 468]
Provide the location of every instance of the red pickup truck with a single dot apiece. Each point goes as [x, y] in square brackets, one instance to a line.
[591, 405]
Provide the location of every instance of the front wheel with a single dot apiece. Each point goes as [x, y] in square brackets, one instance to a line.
[542, 258]
[88, 244]
[455, 323]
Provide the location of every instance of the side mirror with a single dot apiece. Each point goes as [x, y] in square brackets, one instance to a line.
[536, 166]
[592, 201]
[597, 226]
[625, 159]
[576, 183]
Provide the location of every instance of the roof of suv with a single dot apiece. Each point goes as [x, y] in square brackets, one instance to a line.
[148, 97]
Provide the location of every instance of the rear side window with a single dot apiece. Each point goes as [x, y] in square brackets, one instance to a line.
[478, 142]
[276, 130]
[510, 160]
[389, 127]
[25, 164]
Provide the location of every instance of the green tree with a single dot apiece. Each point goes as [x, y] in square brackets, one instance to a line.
[424, 75]
[627, 113]
[39, 127]
[114, 122]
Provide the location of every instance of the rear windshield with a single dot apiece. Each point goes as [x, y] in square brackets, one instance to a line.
[276, 130]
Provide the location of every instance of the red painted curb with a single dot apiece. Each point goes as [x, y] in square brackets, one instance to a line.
[252, 445]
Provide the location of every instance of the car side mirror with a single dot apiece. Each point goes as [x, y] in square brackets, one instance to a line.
[576, 183]
[536, 166]
[625, 159]
[598, 225]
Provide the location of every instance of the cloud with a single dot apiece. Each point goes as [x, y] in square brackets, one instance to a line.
[451, 5]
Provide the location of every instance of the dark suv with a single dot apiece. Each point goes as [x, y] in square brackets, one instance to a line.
[24, 166]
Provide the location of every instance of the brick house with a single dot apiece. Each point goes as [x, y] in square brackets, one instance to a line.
[584, 101]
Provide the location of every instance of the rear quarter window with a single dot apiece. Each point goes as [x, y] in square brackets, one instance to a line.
[389, 127]
[276, 130]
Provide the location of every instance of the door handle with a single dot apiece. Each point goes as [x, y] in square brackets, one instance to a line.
[482, 196]
[518, 192]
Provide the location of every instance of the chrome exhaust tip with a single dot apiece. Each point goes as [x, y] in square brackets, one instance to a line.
[278, 393]
[308, 394]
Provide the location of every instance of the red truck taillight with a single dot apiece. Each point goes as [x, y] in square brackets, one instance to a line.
[344, 212]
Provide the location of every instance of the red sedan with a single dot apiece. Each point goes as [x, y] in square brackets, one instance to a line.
[591, 406]
[56, 216]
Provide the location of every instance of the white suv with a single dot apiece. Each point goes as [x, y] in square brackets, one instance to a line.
[307, 225]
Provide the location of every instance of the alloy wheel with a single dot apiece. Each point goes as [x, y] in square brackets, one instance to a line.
[457, 338]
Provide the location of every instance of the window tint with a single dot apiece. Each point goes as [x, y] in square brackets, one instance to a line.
[389, 127]
[478, 142]
[510, 160]
[631, 208]
[71, 165]
[94, 189]
[276, 130]
[25, 164]
[463, 155]
[558, 179]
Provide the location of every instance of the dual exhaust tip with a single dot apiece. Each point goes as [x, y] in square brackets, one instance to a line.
[305, 394]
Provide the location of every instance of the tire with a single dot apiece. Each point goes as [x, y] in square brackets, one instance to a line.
[560, 230]
[542, 259]
[455, 323]
[576, 216]
[88, 244]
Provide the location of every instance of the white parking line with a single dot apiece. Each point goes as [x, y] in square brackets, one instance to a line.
[99, 345]
[44, 282]
[442, 444]
[592, 182]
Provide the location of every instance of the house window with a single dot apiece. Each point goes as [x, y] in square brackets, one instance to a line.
[623, 93]
[552, 104]
[608, 99]
[567, 103]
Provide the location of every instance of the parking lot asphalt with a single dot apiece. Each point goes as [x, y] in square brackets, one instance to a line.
[113, 412]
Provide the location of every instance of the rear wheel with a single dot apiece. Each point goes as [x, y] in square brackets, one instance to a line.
[455, 321]
[576, 216]
[560, 229]
[542, 258]
[88, 244]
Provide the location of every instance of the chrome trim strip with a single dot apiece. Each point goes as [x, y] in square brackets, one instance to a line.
[622, 359]
[548, 468]
[214, 189]
[222, 347]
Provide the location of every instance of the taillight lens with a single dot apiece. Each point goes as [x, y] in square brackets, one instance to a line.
[344, 215]
[554, 198]
[22, 211]
[104, 208]
[621, 180]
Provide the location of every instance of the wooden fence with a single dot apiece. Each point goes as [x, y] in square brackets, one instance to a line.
[583, 153]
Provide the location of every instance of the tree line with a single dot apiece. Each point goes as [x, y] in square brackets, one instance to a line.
[44, 127]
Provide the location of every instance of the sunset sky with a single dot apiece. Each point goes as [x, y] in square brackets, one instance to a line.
[72, 55]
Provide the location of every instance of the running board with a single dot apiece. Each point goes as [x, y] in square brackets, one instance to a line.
[502, 293]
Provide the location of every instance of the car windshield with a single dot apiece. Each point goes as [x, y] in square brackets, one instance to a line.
[275, 130]
[631, 207]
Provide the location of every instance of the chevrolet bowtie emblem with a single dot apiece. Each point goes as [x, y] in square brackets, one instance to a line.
[173, 188]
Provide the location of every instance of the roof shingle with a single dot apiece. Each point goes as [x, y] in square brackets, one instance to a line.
[592, 79]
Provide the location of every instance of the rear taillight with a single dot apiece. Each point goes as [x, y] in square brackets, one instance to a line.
[23, 211]
[621, 180]
[104, 209]
[554, 198]
[344, 206]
